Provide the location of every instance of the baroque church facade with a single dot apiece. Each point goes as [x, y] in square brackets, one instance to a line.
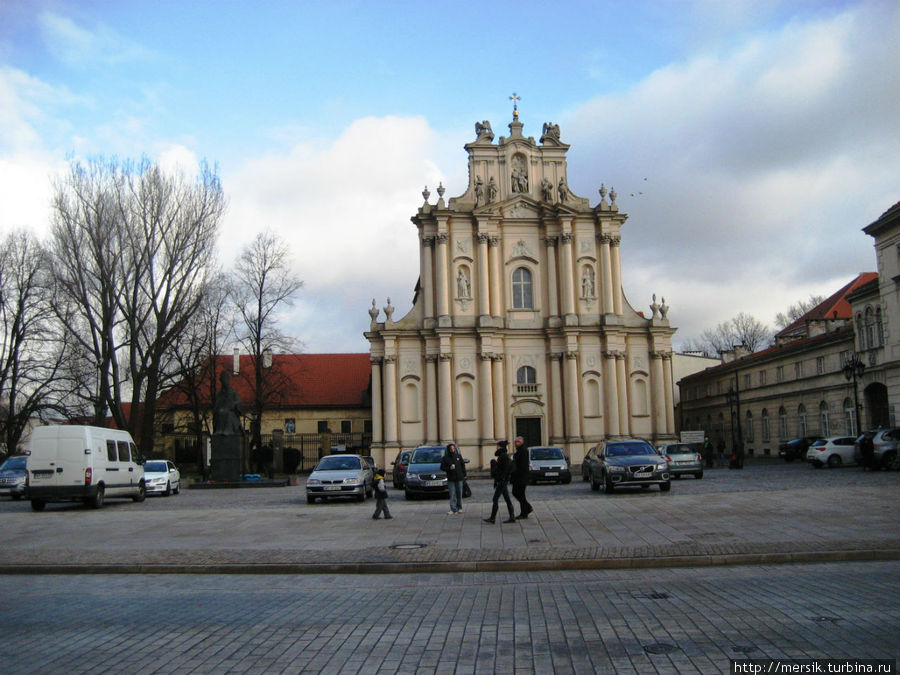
[519, 325]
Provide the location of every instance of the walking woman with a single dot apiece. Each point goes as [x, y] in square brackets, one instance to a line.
[500, 470]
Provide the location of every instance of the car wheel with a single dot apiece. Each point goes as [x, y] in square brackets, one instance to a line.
[834, 461]
[362, 495]
[16, 497]
[608, 486]
[310, 500]
[698, 475]
[141, 495]
[665, 487]
[177, 488]
[887, 459]
[37, 505]
[408, 495]
[96, 501]
[566, 481]
[168, 490]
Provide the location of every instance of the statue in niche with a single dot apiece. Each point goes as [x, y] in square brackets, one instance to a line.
[519, 174]
[479, 191]
[587, 283]
[483, 130]
[492, 190]
[463, 287]
[546, 190]
[550, 130]
[563, 190]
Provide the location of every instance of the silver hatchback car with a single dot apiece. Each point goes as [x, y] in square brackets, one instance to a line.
[683, 460]
[340, 476]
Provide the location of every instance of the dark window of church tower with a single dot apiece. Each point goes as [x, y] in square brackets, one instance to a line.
[521, 289]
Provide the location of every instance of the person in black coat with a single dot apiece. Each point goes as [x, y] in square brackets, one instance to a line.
[453, 465]
[521, 476]
[500, 471]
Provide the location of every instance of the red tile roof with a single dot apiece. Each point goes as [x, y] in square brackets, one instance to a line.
[835, 307]
[311, 380]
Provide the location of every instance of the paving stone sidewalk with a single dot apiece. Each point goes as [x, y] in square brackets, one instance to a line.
[244, 531]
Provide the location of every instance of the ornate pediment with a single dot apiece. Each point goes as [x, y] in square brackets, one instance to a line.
[520, 208]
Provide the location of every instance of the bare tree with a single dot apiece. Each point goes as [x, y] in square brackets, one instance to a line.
[31, 353]
[742, 329]
[263, 285]
[795, 311]
[133, 247]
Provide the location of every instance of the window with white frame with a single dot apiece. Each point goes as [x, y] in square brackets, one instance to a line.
[801, 414]
[849, 417]
[748, 427]
[782, 424]
[764, 420]
[522, 289]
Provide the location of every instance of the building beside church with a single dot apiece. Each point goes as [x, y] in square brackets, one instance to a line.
[519, 324]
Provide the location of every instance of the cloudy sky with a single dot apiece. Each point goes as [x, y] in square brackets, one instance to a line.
[749, 140]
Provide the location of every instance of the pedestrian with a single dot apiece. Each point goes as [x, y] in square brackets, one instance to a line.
[708, 453]
[501, 467]
[520, 477]
[453, 465]
[739, 454]
[721, 448]
[867, 450]
[381, 495]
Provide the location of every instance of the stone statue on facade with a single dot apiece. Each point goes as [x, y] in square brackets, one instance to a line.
[587, 283]
[563, 190]
[492, 190]
[546, 190]
[479, 191]
[463, 288]
[550, 130]
[483, 130]
[519, 180]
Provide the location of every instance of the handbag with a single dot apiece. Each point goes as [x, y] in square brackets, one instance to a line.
[467, 491]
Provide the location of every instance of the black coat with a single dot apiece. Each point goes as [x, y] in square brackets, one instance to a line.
[504, 468]
[453, 457]
[521, 465]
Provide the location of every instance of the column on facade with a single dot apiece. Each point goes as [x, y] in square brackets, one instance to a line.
[616, 273]
[552, 277]
[557, 428]
[484, 286]
[377, 417]
[657, 389]
[500, 397]
[669, 384]
[496, 277]
[428, 275]
[443, 303]
[486, 398]
[566, 265]
[390, 399]
[445, 398]
[611, 393]
[431, 398]
[623, 388]
[606, 297]
[573, 408]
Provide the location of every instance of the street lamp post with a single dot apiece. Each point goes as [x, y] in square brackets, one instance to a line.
[853, 370]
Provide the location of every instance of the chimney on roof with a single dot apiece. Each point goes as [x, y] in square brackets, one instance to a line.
[267, 358]
[236, 369]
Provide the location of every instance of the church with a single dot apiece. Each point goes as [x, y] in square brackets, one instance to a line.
[519, 325]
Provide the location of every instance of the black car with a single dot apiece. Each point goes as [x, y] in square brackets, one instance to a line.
[796, 449]
[626, 463]
[400, 466]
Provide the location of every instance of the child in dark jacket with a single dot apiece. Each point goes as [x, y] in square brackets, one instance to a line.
[381, 495]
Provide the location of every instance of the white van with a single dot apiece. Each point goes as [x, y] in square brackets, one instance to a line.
[81, 463]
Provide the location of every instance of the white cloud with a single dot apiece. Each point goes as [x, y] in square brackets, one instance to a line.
[762, 164]
[79, 47]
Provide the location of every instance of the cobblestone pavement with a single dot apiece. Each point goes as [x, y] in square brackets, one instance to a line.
[682, 620]
[769, 512]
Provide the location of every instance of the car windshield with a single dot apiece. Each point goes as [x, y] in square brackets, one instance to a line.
[546, 453]
[427, 456]
[337, 463]
[629, 449]
[13, 464]
[159, 467]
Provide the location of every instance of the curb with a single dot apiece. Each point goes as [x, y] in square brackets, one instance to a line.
[705, 560]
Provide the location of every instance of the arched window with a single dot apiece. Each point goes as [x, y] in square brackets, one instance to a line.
[849, 417]
[782, 424]
[823, 418]
[764, 418]
[879, 328]
[801, 414]
[748, 427]
[861, 332]
[870, 328]
[526, 380]
[522, 289]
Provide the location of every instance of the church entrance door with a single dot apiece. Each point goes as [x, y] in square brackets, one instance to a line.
[529, 428]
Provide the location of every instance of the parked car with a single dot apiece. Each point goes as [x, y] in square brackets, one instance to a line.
[12, 476]
[340, 476]
[371, 462]
[548, 463]
[832, 452]
[400, 466]
[682, 459]
[626, 463]
[161, 476]
[424, 475]
[796, 448]
[887, 444]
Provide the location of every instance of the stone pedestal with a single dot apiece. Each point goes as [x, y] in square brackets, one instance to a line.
[225, 464]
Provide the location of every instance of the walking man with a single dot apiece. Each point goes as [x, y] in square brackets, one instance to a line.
[521, 476]
[500, 471]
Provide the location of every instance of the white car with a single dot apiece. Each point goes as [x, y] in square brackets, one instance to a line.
[161, 477]
[832, 452]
